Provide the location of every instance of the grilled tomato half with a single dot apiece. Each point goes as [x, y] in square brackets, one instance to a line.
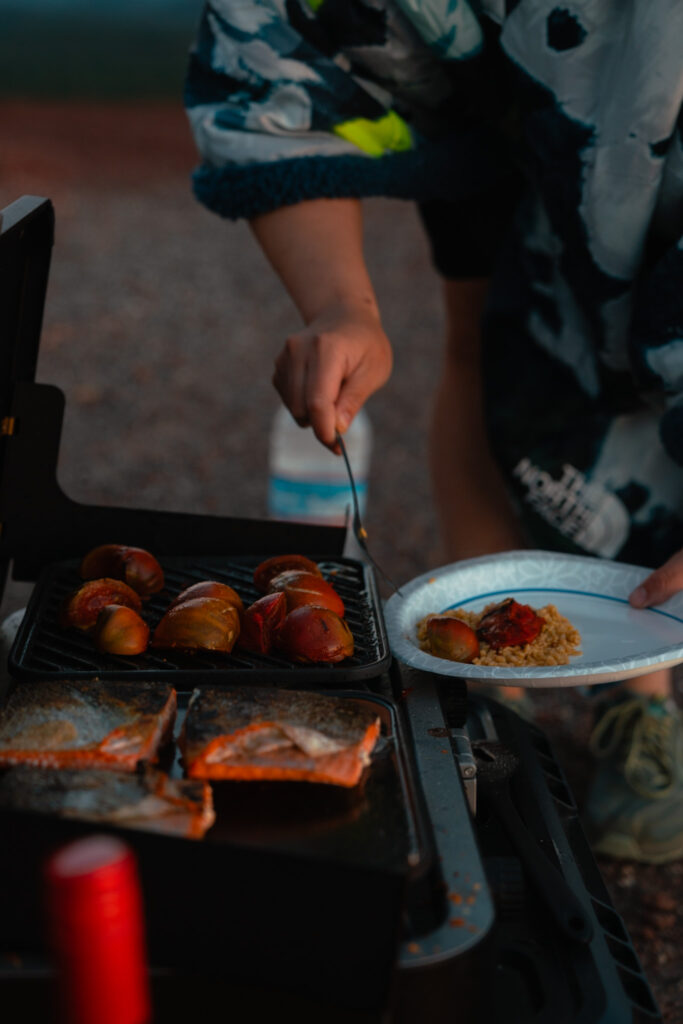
[200, 623]
[265, 572]
[120, 630]
[82, 608]
[260, 622]
[311, 634]
[509, 624]
[209, 588]
[301, 588]
[450, 638]
[135, 566]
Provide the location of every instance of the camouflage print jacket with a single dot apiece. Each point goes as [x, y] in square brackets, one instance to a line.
[424, 99]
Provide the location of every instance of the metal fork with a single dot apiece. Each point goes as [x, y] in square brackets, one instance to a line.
[359, 531]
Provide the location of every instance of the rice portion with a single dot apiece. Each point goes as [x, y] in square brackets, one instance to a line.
[557, 642]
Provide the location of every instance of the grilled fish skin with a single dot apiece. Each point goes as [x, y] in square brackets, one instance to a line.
[259, 733]
[149, 800]
[86, 724]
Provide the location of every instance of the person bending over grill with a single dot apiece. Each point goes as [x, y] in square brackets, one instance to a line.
[544, 145]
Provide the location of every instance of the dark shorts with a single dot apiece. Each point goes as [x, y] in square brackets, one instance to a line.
[575, 464]
[465, 237]
[589, 471]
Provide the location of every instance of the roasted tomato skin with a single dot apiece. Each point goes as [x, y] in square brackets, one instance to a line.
[137, 567]
[265, 572]
[314, 635]
[451, 638]
[82, 608]
[209, 588]
[509, 624]
[120, 630]
[301, 588]
[260, 622]
[200, 623]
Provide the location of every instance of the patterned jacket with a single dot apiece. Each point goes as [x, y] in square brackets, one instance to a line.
[425, 99]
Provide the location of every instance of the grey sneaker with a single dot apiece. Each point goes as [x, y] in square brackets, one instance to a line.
[634, 809]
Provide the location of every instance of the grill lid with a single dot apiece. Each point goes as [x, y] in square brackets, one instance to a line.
[26, 238]
[39, 523]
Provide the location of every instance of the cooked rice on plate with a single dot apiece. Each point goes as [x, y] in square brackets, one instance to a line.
[557, 642]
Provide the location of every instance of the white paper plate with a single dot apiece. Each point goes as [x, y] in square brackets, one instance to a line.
[617, 641]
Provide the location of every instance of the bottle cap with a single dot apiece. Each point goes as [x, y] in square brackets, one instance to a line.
[95, 928]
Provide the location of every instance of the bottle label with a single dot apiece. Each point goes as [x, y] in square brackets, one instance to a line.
[313, 499]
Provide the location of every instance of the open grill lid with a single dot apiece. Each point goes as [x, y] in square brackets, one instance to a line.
[26, 237]
[39, 523]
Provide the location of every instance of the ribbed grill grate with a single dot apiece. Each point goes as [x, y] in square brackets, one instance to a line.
[44, 650]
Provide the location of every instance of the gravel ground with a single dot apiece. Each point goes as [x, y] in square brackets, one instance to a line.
[161, 325]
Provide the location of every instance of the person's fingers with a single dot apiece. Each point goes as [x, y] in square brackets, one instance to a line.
[289, 378]
[352, 396]
[660, 585]
[362, 382]
[324, 376]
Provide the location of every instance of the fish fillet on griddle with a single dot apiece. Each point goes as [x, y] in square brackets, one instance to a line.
[258, 733]
[74, 724]
[148, 800]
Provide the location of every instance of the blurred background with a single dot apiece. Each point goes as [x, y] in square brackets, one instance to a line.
[104, 49]
[162, 323]
[162, 320]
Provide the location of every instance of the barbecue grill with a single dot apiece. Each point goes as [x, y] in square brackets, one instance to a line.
[410, 899]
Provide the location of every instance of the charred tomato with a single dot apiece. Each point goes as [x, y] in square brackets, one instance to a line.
[137, 567]
[451, 638]
[260, 622]
[304, 588]
[311, 634]
[209, 588]
[265, 572]
[509, 624]
[120, 630]
[200, 623]
[82, 608]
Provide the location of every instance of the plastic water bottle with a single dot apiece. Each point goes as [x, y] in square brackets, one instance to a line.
[307, 482]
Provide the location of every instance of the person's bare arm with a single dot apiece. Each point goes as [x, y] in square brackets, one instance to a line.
[474, 511]
[326, 371]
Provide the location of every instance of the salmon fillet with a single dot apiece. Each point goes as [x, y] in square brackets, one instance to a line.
[86, 724]
[149, 800]
[254, 733]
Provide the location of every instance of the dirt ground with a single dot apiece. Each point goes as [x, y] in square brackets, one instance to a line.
[161, 325]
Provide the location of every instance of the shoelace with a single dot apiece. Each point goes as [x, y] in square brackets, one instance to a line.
[647, 739]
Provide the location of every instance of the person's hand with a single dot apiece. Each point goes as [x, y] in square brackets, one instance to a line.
[660, 585]
[328, 370]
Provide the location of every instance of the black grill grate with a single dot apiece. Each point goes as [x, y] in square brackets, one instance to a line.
[44, 650]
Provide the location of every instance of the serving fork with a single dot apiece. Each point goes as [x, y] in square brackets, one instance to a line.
[359, 531]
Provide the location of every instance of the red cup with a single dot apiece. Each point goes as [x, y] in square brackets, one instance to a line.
[96, 932]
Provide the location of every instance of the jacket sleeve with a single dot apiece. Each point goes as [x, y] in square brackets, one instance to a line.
[656, 338]
[657, 345]
[284, 106]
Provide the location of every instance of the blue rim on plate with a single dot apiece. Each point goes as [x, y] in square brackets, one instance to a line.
[617, 641]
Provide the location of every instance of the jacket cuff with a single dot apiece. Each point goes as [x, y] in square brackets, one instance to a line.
[459, 168]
